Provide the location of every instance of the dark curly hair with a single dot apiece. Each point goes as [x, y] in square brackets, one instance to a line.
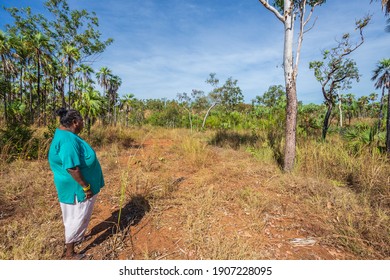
[68, 116]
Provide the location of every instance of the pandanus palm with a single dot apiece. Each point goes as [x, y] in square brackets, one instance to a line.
[126, 104]
[90, 105]
[70, 57]
[103, 77]
[86, 71]
[23, 53]
[382, 77]
[7, 67]
[42, 49]
[114, 83]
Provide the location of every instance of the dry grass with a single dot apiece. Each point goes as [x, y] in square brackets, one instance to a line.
[354, 198]
[32, 225]
[177, 197]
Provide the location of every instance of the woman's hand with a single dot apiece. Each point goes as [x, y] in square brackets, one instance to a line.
[78, 176]
[88, 194]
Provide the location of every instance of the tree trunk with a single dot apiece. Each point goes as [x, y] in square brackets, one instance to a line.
[114, 115]
[54, 95]
[388, 124]
[189, 117]
[21, 84]
[381, 109]
[5, 80]
[291, 124]
[326, 121]
[207, 113]
[291, 91]
[5, 101]
[349, 118]
[31, 104]
[39, 90]
[88, 120]
[44, 103]
[69, 87]
[340, 112]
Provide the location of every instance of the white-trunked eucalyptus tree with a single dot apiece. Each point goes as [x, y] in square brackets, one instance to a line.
[288, 12]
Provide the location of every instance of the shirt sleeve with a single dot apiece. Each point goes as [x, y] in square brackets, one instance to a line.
[70, 154]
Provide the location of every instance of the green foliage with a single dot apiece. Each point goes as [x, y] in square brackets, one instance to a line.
[51, 128]
[310, 119]
[233, 139]
[213, 121]
[362, 136]
[279, 4]
[13, 140]
[228, 96]
[274, 97]
[17, 114]
[42, 55]
[169, 117]
[336, 71]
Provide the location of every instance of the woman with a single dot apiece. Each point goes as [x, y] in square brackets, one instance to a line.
[78, 177]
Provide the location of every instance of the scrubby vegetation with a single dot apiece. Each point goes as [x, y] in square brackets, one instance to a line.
[340, 197]
[205, 167]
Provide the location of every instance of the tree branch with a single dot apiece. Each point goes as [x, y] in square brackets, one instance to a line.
[272, 9]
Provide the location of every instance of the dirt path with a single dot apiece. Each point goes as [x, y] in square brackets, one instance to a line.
[160, 228]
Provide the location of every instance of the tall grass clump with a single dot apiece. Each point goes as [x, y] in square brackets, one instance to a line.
[101, 136]
[32, 228]
[366, 172]
[19, 141]
[233, 139]
[359, 198]
[195, 151]
[329, 159]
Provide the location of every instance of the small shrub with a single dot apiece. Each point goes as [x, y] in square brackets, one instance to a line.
[233, 139]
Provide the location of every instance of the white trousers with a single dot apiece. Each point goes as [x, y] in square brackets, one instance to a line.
[76, 218]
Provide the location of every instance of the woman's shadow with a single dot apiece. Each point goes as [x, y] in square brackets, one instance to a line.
[130, 214]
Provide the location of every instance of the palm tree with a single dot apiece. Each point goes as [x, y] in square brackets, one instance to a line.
[89, 105]
[382, 77]
[23, 54]
[59, 72]
[114, 83]
[70, 58]
[8, 68]
[126, 104]
[41, 48]
[84, 78]
[103, 77]
[86, 71]
[362, 104]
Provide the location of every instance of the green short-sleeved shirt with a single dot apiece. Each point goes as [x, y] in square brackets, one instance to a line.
[68, 150]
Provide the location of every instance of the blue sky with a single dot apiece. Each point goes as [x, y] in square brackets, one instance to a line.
[162, 48]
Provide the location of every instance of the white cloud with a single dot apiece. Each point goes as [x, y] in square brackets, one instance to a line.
[165, 47]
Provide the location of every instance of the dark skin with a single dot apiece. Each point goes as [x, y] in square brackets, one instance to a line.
[76, 127]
